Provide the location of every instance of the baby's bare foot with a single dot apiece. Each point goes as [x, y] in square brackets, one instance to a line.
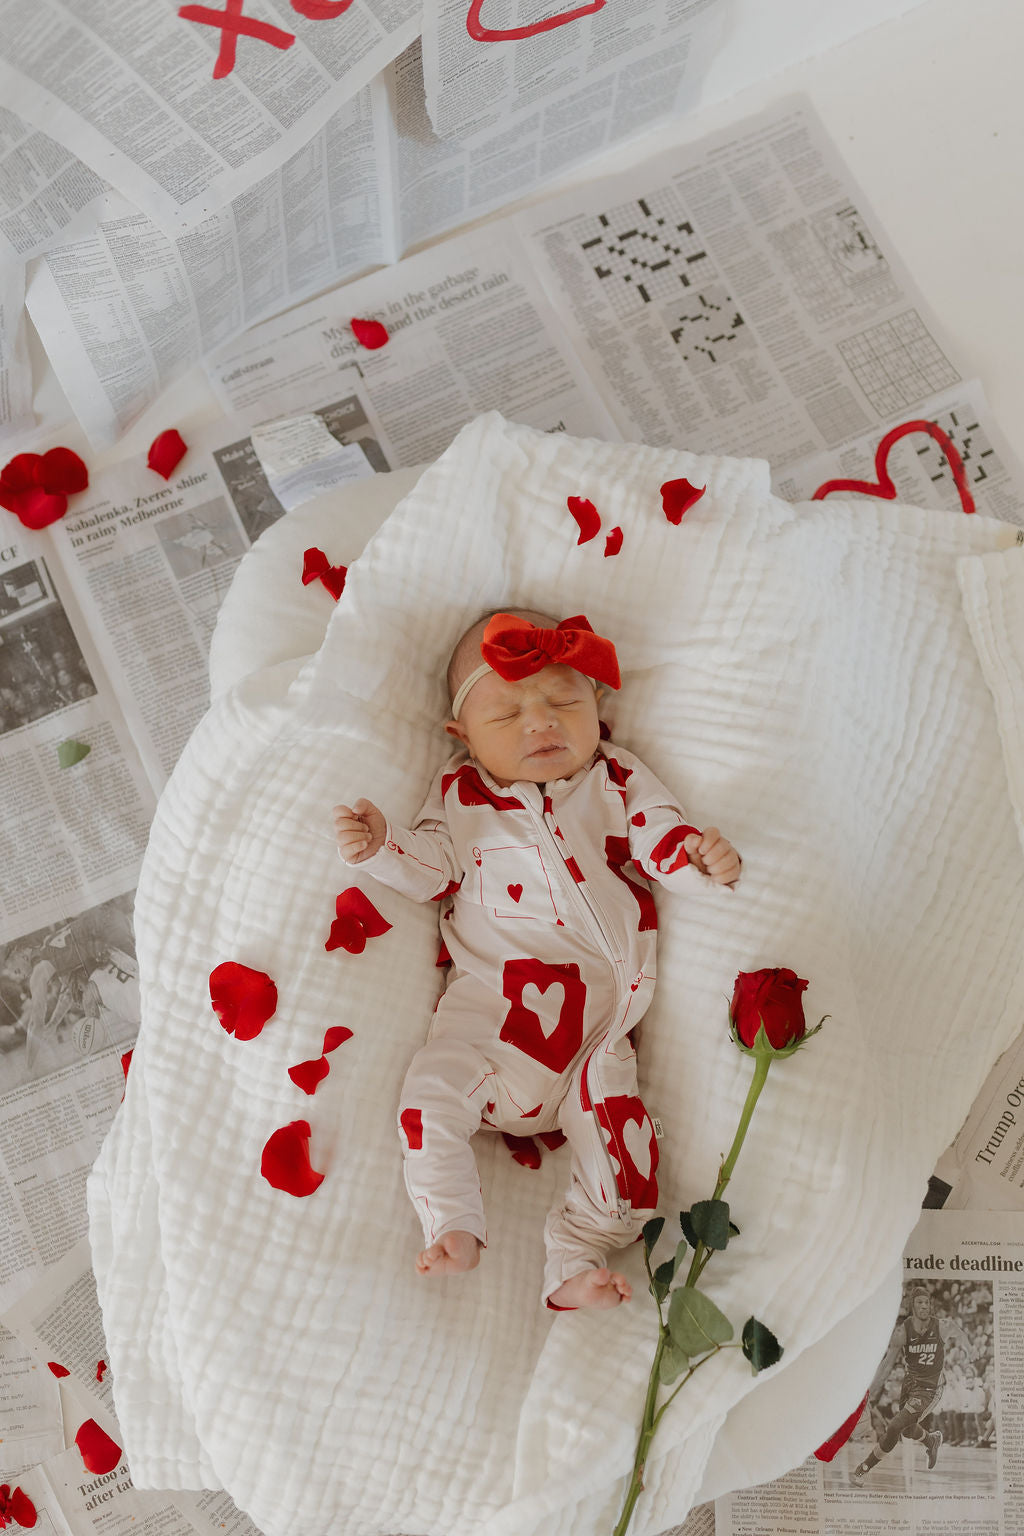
[593, 1288]
[453, 1255]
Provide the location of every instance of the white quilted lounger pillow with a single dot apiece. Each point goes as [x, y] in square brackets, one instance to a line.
[804, 677]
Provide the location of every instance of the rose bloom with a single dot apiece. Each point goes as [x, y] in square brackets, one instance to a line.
[771, 997]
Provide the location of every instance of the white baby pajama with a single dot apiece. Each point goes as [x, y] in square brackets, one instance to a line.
[550, 925]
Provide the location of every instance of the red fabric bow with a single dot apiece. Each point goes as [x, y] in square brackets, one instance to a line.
[516, 649]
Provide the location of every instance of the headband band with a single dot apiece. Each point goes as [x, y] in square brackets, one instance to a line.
[460, 697]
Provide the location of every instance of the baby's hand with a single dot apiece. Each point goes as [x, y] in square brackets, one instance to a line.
[713, 855]
[360, 830]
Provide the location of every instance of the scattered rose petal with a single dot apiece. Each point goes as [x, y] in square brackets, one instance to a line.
[62, 472]
[101, 1369]
[58, 1370]
[586, 515]
[335, 1036]
[285, 1163]
[243, 999]
[369, 333]
[317, 567]
[678, 496]
[19, 473]
[166, 452]
[71, 752]
[357, 921]
[613, 543]
[34, 509]
[308, 1075]
[99, 1453]
[16, 1506]
[523, 1148]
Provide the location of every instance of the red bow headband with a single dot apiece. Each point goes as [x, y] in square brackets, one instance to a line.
[514, 648]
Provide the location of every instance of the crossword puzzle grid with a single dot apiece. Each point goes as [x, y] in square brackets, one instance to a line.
[971, 443]
[644, 252]
[897, 363]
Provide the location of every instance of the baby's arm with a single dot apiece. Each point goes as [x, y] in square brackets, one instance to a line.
[419, 861]
[661, 840]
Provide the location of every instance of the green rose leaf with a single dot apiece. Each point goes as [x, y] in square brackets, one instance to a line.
[695, 1323]
[672, 1363]
[663, 1278]
[759, 1344]
[710, 1221]
[734, 1230]
[71, 752]
[651, 1231]
[682, 1254]
[687, 1226]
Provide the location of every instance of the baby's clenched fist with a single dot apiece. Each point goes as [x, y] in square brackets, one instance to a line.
[360, 830]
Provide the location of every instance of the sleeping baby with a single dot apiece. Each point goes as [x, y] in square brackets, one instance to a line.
[537, 839]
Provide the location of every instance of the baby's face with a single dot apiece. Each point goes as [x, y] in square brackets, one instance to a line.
[542, 727]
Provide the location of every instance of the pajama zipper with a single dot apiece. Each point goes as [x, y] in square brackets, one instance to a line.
[622, 1205]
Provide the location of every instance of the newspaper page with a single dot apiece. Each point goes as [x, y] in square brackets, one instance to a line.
[738, 297]
[150, 564]
[125, 309]
[45, 190]
[30, 1411]
[939, 1448]
[130, 89]
[984, 1168]
[606, 74]
[75, 811]
[470, 331]
[16, 414]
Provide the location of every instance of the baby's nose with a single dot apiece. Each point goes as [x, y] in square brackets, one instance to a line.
[539, 717]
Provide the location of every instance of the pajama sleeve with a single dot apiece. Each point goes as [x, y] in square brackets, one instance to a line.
[657, 829]
[419, 861]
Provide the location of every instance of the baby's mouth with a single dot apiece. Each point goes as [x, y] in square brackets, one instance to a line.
[546, 751]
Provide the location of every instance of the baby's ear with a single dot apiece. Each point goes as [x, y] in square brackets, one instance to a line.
[455, 729]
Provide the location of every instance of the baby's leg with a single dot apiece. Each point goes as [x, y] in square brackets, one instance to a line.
[443, 1096]
[605, 1204]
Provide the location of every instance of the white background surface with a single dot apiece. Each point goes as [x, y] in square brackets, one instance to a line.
[926, 108]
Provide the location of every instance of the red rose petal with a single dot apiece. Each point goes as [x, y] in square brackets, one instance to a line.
[101, 1369]
[678, 496]
[347, 932]
[21, 473]
[126, 1061]
[317, 567]
[369, 333]
[99, 1453]
[308, 1075]
[285, 1163]
[243, 999]
[523, 1148]
[613, 543]
[834, 1444]
[586, 515]
[335, 1036]
[21, 1509]
[58, 1370]
[166, 452]
[34, 509]
[62, 472]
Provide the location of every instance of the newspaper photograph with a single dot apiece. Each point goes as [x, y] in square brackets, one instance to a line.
[142, 107]
[937, 1446]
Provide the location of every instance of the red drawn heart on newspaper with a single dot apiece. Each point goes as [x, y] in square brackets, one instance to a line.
[515, 891]
[482, 34]
[884, 486]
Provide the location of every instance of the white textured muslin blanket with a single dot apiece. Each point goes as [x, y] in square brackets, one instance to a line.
[803, 677]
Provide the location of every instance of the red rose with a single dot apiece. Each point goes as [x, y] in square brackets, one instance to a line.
[771, 998]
